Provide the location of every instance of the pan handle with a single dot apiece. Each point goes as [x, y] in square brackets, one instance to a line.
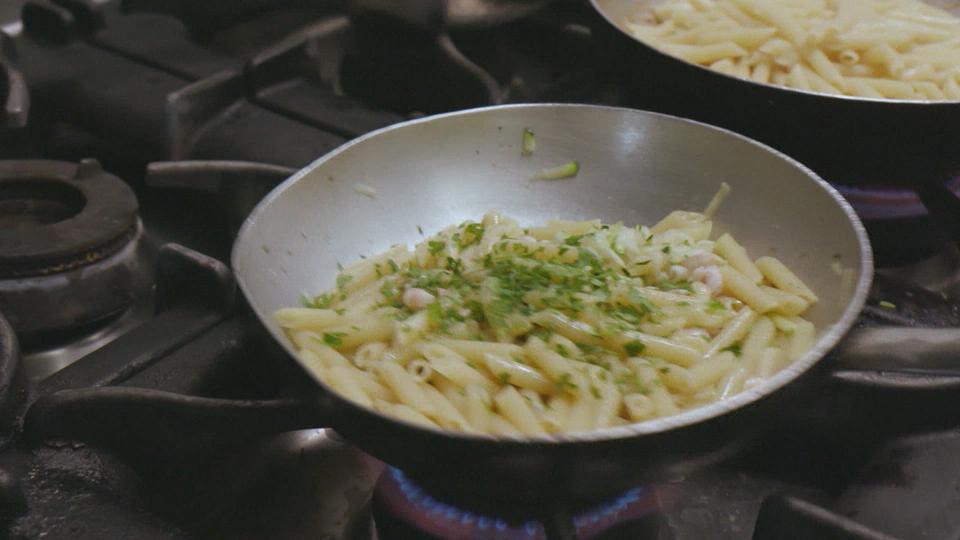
[893, 347]
[899, 358]
[163, 423]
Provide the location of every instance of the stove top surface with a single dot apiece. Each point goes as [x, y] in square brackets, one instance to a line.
[133, 427]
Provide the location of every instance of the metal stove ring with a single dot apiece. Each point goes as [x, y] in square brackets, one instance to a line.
[70, 250]
[94, 215]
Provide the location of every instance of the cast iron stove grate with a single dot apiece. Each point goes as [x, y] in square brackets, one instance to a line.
[171, 429]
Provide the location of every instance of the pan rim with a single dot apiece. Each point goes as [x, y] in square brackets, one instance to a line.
[830, 337]
[789, 90]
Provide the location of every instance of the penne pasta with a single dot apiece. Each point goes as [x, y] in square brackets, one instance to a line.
[454, 367]
[868, 48]
[732, 332]
[743, 288]
[572, 326]
[784, 279]
[729, 249]
[511, 372]
[515, 409]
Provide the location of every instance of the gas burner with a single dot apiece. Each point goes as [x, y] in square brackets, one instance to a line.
[404, 500]
[69, 239]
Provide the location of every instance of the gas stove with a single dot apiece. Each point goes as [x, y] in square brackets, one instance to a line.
[139, 398]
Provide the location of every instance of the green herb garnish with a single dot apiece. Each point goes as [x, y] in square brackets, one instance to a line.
[736, 349]
[631, 379]
[634, 348]
[321, 301]
[574, 239]
[333, 339]
[565, 383]
[715, 305]
[454, 265]
[667, 285]
[473, 233]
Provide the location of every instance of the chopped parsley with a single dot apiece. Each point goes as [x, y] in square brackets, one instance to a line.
[629, 314]
[641, 303]
[632, 380]
[634, 348]
[665, 249]
[435, 314]
[565, 383]
[343, 279]
[321, 301]
[503, 377]
[735, 348]
[574, 240]
[715, 305]
[667, 285]
[473, 233]
[436, 246]
[391, 294]
[333, 339]
[454, 265]
[542, 333]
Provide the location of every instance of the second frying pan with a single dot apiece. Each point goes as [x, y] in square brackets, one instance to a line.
[863, 143]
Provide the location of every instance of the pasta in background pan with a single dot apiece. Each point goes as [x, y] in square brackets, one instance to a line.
[897, 49]
[490, 327]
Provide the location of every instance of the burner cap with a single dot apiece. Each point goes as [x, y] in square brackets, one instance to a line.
[57, 216]
[69, 248]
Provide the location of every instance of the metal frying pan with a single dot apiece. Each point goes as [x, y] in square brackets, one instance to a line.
[849, 141]
[635, 167]
[619, 12]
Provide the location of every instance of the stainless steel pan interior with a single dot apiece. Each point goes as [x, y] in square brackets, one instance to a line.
[635, 167]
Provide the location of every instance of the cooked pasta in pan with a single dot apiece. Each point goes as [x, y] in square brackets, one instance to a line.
[898, 49]
[493, 327]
